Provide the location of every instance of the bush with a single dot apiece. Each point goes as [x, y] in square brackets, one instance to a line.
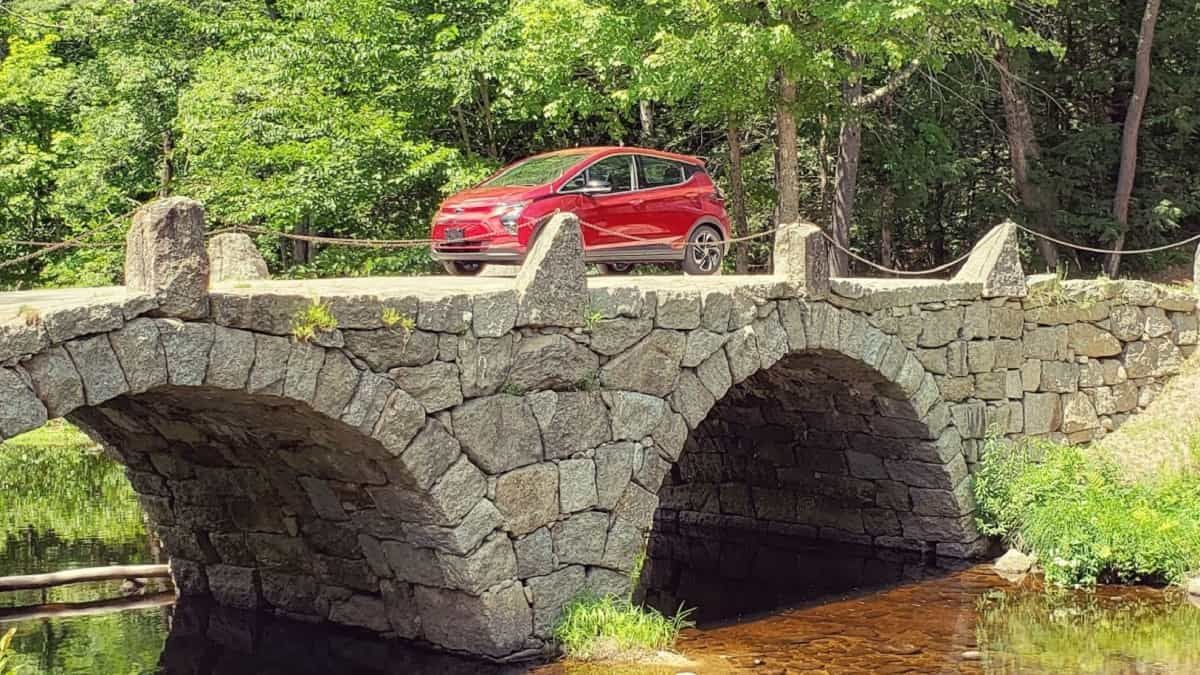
[608, 627]
[1086, 525]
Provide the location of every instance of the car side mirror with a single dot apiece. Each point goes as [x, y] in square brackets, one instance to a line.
[596, 187]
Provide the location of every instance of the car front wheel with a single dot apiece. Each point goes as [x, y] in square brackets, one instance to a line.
[458, 268]
[704, 251]
[615, 268]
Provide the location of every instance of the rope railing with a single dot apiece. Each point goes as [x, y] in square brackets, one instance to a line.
[80, 241]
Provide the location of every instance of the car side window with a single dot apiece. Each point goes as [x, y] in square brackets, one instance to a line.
[654, 172]
[617, 171]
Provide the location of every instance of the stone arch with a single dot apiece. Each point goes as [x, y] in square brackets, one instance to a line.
[280, 475]
[809, 421]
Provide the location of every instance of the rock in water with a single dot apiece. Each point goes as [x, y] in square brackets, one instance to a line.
[165, 257]
[1014, 562]
[234, 257]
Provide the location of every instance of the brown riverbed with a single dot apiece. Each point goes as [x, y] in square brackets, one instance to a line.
[900, 614]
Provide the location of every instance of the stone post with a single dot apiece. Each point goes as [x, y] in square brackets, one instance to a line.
[995, 262]
[165, 257]
[234, 257]
[802, 256]
[552, 283]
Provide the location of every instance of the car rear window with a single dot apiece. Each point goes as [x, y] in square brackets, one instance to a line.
[537, 170]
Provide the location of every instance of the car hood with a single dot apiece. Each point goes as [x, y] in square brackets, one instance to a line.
[485, 197]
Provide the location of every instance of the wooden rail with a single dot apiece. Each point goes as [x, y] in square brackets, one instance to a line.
[83, 575]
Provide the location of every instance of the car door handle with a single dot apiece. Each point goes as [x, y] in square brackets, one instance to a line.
[636, 202]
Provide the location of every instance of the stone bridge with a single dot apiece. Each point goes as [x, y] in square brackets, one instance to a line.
[451, 460]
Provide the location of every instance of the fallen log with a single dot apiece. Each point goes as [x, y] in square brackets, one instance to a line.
[82, 575]
[66, 610]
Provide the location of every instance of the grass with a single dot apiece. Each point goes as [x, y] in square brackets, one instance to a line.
[313, 319]
[610, 628]
[1165, 439]
[1071, 507]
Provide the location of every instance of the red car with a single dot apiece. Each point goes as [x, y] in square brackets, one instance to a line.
[635, 206]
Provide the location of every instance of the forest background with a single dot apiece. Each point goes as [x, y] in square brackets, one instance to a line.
[906, 129]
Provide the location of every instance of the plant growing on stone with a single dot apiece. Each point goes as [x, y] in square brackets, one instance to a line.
[592, 318]
[610, 628]
[313, 319]
[397, 320]
[30, 315]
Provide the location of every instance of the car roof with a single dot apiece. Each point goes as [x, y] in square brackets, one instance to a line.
[605, 150]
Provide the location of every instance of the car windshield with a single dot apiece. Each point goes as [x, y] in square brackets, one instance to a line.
[537, 170]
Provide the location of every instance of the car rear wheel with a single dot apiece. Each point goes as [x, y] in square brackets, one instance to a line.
[704, 251]
[615, 268]
[459, 268]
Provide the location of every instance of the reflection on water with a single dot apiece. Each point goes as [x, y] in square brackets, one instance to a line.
[855, 611]
[851, 609]
[207, 639]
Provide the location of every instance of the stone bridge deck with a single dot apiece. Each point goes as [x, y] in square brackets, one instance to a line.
[458, 458]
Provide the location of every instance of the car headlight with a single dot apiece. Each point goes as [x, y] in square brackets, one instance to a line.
[509, 213]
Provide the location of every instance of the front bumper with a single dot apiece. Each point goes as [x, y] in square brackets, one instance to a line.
[453, 253]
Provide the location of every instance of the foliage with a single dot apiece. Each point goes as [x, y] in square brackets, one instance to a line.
[1072, 632]
[357, 117]
[1085, 524]
[313, 319]
[607, 627]
[5, 656]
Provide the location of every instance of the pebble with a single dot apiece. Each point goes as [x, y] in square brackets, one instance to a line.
[971, 655]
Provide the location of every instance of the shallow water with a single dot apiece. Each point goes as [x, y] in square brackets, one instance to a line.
[764, 604]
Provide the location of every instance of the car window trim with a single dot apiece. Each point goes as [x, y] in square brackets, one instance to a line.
[638, 156]
[636, 176]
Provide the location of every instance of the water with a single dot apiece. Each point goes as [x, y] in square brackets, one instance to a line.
[764, 604]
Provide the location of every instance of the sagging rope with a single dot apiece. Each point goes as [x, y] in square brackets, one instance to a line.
[1089, 249]
[80, 242]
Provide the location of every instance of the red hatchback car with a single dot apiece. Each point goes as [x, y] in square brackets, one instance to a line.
[635, 206]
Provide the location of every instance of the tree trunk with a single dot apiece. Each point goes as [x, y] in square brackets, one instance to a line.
[846, 176]
[1023, 149]
[302, 250]
[887, 246]
[486, 99]
[823, 170]
[1129, 135]
[168, 164]
[789, 164]
[646, 117]
[737, 198]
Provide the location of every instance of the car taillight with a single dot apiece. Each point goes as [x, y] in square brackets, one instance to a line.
[509, 214]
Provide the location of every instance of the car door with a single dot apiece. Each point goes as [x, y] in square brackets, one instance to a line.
[606, 216]
[664, 208]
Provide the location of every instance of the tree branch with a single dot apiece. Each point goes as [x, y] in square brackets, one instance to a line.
[876, 95]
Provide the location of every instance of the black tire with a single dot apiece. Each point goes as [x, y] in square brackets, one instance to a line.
[615, 269]
[459, 268]
[705, 249]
